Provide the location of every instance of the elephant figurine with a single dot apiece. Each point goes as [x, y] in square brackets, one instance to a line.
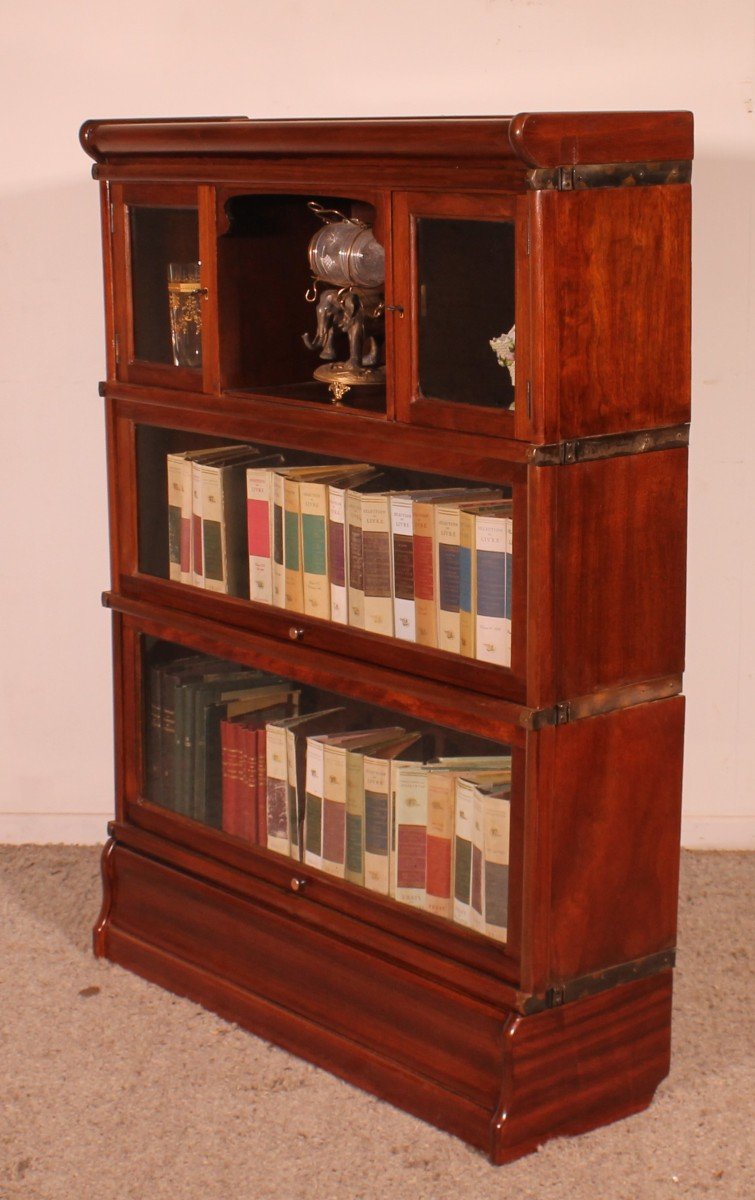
[344, 310]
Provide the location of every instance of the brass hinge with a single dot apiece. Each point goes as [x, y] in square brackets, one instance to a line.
[117, 347]
[609, 445]
[582, 176]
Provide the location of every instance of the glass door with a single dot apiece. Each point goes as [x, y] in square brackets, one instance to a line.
[161, 277]
[456, 267]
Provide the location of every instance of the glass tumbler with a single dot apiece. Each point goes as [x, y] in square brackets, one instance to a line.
[185, 300]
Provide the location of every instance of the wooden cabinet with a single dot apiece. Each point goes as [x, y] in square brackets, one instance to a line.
[572, 232]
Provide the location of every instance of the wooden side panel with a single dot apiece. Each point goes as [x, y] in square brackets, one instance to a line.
[620, 308]
[574, 1068]
[620, 582]
[614, 837]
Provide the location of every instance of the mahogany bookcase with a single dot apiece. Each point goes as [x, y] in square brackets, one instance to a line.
[577, 225]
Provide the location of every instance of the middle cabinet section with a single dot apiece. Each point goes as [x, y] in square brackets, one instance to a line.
[412, 567]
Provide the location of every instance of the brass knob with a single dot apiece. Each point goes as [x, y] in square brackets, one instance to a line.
[298, 885]
[296, 633]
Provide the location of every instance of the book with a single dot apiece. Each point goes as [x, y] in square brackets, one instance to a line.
[308, 497]
[448, 571]
[336, 749]
[377, 824]
[339, 601]
[285, 528]
[467, 583]
[441, 811]
[463, 839]
[402, 566]
[425, 610]
[179, 475]
[286, 785]
[497, 822]
[214, 703]
[377, 601]
[225, 526]
[493, 563]
[175, 472]
[354, 558]
[355, 799]
[409, 861]
[259, 513]
[314, 501]
[293, 587]
[426, 562]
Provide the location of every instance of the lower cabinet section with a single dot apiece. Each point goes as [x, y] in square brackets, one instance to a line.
[456, 1052]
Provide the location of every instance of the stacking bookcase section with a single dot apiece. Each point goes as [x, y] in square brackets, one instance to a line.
[406, 809]
[423, 559]
[397, 456]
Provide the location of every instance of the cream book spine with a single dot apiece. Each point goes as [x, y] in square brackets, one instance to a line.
[492, 631]
[467, 584]
[402, 568]
[294, 579]
[476, 913]
[214, 531]
[278, 838]
[292, 794]
[334, 811]
[355, 816]
[376, 560]
[354, 560]
[425, 582]
[313, 499]
[497, 821]
[197, 549]
[175, 470]
[447, 545]
[313, 803]
[377, 824]
[463, 837]
[187, 521]
[337, 555]
[279, 569]
[441, 794]
[409, 880]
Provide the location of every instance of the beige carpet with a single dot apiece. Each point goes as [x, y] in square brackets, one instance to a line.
[111, 1089]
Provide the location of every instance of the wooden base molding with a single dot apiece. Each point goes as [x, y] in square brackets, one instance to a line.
[499, 1080]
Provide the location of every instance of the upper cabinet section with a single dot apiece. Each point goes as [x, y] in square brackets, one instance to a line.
[518, 277]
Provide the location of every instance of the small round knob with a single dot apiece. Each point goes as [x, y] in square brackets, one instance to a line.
[298, 885]
[296, 633]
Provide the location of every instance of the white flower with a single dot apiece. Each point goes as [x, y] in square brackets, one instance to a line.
[505, 346]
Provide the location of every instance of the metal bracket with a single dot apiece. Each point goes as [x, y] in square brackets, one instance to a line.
[610, 445]
[601, 981]
[597, 704]
[583, 176]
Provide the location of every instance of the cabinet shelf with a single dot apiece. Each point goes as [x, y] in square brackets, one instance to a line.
[526, 341]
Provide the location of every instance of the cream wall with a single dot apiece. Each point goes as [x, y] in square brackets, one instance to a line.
[60, 64]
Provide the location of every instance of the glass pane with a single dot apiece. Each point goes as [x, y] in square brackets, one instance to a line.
[161, 237]
[424, 558]
[466, 295]
[389, 802]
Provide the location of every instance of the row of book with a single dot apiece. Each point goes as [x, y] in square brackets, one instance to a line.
[366, 805]
[430, 566]
[228, 746]
[191, 698]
